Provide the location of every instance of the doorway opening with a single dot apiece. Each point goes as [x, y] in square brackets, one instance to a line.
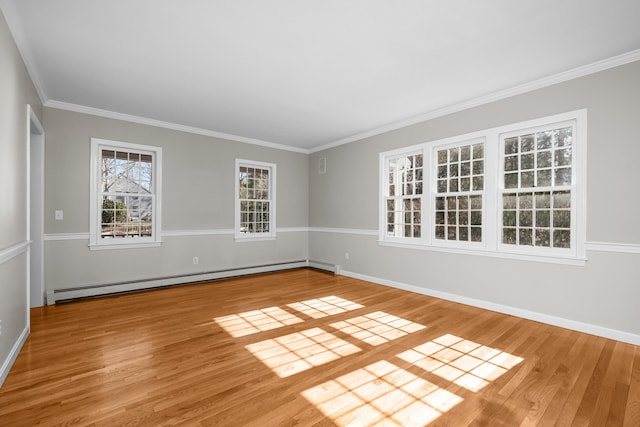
[35, 209]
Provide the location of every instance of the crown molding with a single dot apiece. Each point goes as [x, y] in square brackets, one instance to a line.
[59, 105]
[582, 71]
[8, 9]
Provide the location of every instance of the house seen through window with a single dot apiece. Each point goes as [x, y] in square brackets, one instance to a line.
[124, 195]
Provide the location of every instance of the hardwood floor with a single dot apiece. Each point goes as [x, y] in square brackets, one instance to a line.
[311, 349]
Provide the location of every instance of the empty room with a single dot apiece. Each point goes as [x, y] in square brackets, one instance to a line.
[319, 213]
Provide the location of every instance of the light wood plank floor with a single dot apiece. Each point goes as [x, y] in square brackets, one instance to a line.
[311, 349]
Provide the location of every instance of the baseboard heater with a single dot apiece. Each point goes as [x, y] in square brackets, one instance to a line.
[60, 295]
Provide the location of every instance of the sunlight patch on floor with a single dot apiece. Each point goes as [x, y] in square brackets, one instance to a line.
[322, 307]
[251, 322]
[381, 394]
[377, 328]
[290, 354]
[463, 362]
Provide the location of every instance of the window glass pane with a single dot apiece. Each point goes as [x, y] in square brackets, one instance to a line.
[562, 176]
[543, 237]
[463, 218]
[442, 157]
[564, 137]
[510, 163]
[544, 140]
[544, 159]
[561, 238]
[525, 237]
[511, 180]
[543, 200]
[561, 199]
[476, 234]
[453, 155]
[526, 143]
[527, 179]
[509, 236]
[509, 218]
[544, 178]
[478, 151]
[465, 153]
[511, 145]
[509, 201]
[543, 218]
[562, 157]
[478, 183]
[561, 219]
[527, 161]
[463, 234]
[465, 184]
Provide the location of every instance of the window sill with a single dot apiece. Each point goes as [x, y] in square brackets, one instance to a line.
[106, 247]
[566, 260]
[242, 238]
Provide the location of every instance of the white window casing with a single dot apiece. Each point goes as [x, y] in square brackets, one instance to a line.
[255, 200]
[553, 230]
[125, 195]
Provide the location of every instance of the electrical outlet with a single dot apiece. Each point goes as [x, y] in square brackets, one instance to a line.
[195, 260]
[59, 215]
[346, 256]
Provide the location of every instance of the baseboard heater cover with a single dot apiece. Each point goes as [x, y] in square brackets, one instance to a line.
[67, 294]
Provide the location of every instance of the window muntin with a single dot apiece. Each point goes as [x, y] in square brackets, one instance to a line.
[124, 194]
[405, 177]
[255, 199]
[459, 192]
[538, 182]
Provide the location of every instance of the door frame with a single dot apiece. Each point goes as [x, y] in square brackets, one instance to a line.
[35, 210]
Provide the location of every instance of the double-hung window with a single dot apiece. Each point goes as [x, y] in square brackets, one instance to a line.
[515, 191]
[537, 195]
[125, 193]
[459, 191]
[255, 198]
[404, 196]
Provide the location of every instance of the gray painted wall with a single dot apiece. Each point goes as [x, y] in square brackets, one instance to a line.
[197, 195]
[604, 293]
[16, 91]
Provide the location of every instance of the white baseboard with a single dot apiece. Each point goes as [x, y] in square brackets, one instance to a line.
[114, 288]
[13, 354]
[331, 268]
[505, 309]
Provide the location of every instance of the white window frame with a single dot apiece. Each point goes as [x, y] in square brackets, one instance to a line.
[432, 185]
[96, 242]
[241, 236]
[386, 196]
[491, 244]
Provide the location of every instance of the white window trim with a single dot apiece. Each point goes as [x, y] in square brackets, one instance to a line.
[424, 238]
[491, 245]
[432, 173]
[252, 237]
[97, 243]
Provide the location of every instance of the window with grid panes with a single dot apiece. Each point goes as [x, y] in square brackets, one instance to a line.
[404, 196]
[255, 199]
[536, 200]
[459, 192]
[125, 183]
[514, 191]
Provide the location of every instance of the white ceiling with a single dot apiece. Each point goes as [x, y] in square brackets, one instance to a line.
[305, 74]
